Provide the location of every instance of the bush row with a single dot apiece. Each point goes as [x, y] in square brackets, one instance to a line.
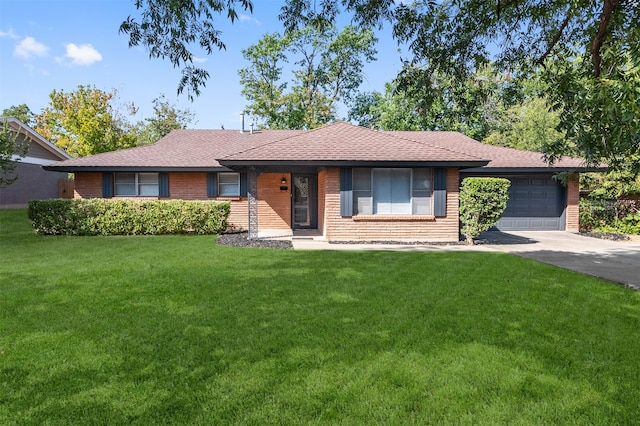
[127, 217]
[610, 215]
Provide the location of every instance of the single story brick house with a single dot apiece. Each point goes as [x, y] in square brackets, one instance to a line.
[346, 181]
[33, 183]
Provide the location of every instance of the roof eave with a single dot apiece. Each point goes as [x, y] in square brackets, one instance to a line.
[74, 169]
[352, 163]
[494, 170]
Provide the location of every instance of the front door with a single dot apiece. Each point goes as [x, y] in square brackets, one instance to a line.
[304, 201]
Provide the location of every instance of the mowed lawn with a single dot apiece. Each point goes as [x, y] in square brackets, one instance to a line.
[177, 330]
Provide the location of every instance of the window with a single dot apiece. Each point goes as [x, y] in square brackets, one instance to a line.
[392, 191]
[228, 184]
[136, 185]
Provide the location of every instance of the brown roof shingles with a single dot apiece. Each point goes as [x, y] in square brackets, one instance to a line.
[337, 142]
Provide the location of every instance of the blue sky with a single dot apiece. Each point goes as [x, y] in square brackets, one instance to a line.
[48, 45]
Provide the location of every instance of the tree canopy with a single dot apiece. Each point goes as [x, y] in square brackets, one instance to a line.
[11, 145]
[326, 68]
[169, 28]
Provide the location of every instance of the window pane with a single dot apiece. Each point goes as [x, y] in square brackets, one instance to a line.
[362, 200]
[125, 184]
[382, 191]
[228, 184]
[401, 191]
[148, 178]
[149, 190]
[422, 190]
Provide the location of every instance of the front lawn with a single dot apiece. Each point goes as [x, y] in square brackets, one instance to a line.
[177, 330]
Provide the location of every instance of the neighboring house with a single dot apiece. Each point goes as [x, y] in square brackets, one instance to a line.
[33, 182]
[347, 182]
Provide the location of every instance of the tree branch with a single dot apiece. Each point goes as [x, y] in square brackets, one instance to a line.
[607, 11]
[555, 40]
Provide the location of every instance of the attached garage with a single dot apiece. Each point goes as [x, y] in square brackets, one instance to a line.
[536, 203]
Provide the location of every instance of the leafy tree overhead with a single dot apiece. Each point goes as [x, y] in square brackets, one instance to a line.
[170, 28]
[589, 52]
[327, 69]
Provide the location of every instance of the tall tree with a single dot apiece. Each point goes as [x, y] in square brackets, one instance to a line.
[170, 28]
[82, 122]
[22, 113]
[457, 37]
[326, 67]
[13, 144]
[166, 117]
[410, 103]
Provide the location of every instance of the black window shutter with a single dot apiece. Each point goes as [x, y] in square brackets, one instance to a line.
[440, 192]
[244, 185]
[107, 185]
[163, 184]
[346, 192]
[212, 185]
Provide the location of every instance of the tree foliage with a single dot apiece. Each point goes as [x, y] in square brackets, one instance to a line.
[22, 113]
[473, 107]
[166, 117]
[582, 47]
[170, 28]
[82, 122]
[13, 143]
[482, 203]
[326, 67]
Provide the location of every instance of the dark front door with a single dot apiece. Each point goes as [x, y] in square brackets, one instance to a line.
[304, 201]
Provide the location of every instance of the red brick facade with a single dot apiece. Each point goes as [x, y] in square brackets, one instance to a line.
[573, 203]
[274, 207]
[373, 227]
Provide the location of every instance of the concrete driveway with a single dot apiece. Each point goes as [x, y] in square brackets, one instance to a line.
[617, 261]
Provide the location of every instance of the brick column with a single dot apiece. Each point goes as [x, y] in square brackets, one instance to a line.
[573, 203]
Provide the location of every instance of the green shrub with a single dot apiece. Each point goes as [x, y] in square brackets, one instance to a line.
[482, 203]
[598, 214]
[127, 217]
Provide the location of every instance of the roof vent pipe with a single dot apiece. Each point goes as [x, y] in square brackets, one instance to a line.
[242, 115]
[252, 128]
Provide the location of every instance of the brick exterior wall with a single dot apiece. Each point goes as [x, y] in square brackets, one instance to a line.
[322, 185]
[88, 185]
[274, 205]
[425, 228]
[573, 203]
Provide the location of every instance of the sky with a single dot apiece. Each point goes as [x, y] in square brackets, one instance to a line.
[48, 45]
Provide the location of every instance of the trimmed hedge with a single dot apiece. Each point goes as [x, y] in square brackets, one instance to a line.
[98, 216]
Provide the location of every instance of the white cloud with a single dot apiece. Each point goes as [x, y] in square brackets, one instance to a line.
[84, 54]
[9, 34]
[29, 47]
[249, 18]
[199, 60]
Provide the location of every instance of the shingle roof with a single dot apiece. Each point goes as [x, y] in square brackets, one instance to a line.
[500, 157]
[341, 142]
[337, 143]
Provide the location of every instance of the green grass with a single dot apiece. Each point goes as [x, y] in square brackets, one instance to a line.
[177, 330]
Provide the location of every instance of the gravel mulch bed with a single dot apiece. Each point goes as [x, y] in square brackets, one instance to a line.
[241, 239]
[613, 236]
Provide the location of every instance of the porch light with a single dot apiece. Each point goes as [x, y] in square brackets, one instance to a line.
[284, 181]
